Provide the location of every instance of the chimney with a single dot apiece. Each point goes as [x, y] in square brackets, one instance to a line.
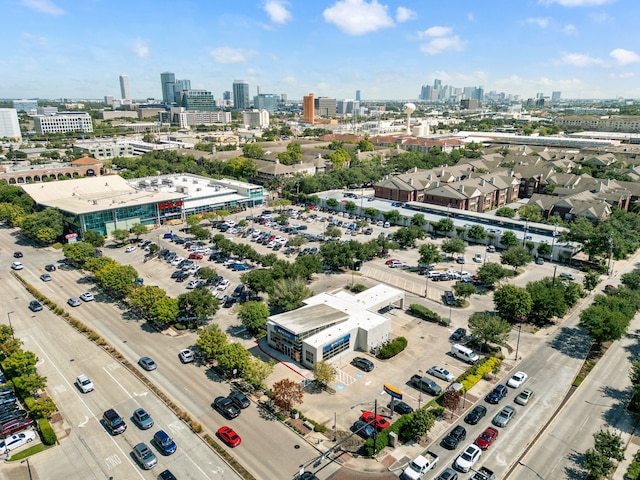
[492, 180]
[415, 169]
[410, 181]
[461, 188]
[482, 182]
[429, 177]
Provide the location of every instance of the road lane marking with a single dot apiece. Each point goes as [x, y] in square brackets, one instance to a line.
[113, 461]
[82, 424]
[106, 369]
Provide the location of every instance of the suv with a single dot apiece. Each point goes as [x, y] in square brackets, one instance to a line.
[114, 422]
[84, 383]
[362, 363]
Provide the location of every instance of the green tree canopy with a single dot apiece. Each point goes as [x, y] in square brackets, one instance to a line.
[324, 372]
[45, 226]
[211, 341]
[516, 257]
[489, 328]
[477, 233]
[464, 290]
[78, 252]
[253, 315]
[453, 245]
[288, 294]
[252, 150]
[418, 220]
[509, 239]
[120, 235]
[199, 302]
[429, 253]
[94, 238]
[491, 273]
[531, 213]
[165, 310]
[511, 301]
[116, 278]
[138, 229]
[505, 212]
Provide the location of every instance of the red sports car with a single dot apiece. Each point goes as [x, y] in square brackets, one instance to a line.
[379, 422]
[229, 436]
[486, 438]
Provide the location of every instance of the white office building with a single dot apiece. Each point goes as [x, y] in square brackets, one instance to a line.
[9, 125]
[256, 118]
[63, 122]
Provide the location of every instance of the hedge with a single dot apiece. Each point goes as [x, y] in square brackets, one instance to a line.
[474, 374]
[424, 313]
[46, 432]
[393, 348]
[633, 472]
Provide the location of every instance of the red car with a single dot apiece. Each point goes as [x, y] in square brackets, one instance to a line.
[15, 426]
[391, 260]
[195, 256]
[379, 422]
[229, 436]
[486, 438]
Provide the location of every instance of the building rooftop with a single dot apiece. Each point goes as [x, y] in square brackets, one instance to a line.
[309, 318]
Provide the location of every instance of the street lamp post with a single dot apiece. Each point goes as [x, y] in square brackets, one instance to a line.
[375, 415]
[527, 466]
[518, 342]
[10, 326]
[555, 268]
[426, 285]
[526, 227]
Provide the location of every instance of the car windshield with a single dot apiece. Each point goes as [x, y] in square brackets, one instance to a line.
[467, 455]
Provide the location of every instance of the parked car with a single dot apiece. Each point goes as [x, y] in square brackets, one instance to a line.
[524, 396]
[226, 407]
[441, 373]
[130, 248]
[196, 256]
[35, 306]
[447, 474]
[400, 407]
[147, 363]
[476, 414]
[539, 261]
[16, 440]
[86, 297]
[223, 285]
[145, 457]
[166, 475]
[377, 421]
[363, 429]
[517, 379]
[363, 363]
[457, 435]
[229, 436]
[497, 394]
[15, 426]
[504, 416]
[186, 355]
[164, 443]
[486, 438]
[477, 258]
[240, 399]
[467, 458]
[567, 275]
[458, 334]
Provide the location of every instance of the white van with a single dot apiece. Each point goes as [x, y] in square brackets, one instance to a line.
[463, 353]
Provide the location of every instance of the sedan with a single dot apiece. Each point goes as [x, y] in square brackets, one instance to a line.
[240, 399]
[130, 248]
[147, 363]
[400, 407]
[524, 396]
[391, 260]
[50, 268]
[17, 266]
[11, 442]
[467, 458]
[441, 373]
[376, 420]
[566, 275]
[363, 429]
[487, 437]
[142, 418]
[457, 435]
[229, 436]
[226, 407]
[497, 394]
[196, 256]
[186, 356]
[459, 334]
[164, 443]
[17, 255]
[74, 302]
[517, 379]
[475, 415]
[223, 285]
[45, 277]
[35, 306]
[505, 415]
[145, 456]
[87, 297]
[448, 474]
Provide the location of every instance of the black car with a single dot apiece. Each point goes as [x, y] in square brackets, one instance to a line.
[459, 334]
[400, 407]
[35, 306]
[182, 277]
[226, 407]
[240, 399]
[50, 268]
[362, 363]
[167, 475]
[497, 394]
[17, 255]
[114, 422]
[230, 302]
[474, 416]
[457, 435]
[176, 273]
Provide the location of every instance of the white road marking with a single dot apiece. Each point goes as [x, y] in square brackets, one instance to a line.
[143, 394]
[59, 389]
[112, 461]
[82, 424]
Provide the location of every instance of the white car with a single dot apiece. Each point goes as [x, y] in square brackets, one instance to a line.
[186, 356]
[441, 373]
[17, 265]
[517, 379]
[467, 458]
[11, 442]
[223, 284]
[130, 248]
[176, 261]
[84, 383]
[86, 297]
[192, 284]
[477, 258]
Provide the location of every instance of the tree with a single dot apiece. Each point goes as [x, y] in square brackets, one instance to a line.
[206, 273]
[94, 238]
[211, 341]
[530, 213]
[251, 150]
[516, 257]
[604, 324]
[607, 447]
[138, 229]
[45, 226]
[28, 384]
[287, 394]
[199, 302]
[477, 233]
[165, 310]
[491, 273]
[598, 464]
[392, 216]
[489, 328]
[453, 245]
[511, 301]
[421, 422]
[43, 407]
[631, 280]
[20, 363]
[192, 220]
[144, 297]
[451, 399]
[331, 233]
[253, 315]
[200, 233]
[429, 253]
[509, 239]
[118, 279]
[288, 294]
[505, 212]
[350, 206]
[418, 220]
[233, 357]
[407, 236]
[544, 249]
[332, 202]
[591, 280]
[371, 212]
[547, 300]
[324, 372]
[464, 290]
[120, 235]
[256, 371]
[95, 264]
[634, 376]
[78, 252]
[444, 225]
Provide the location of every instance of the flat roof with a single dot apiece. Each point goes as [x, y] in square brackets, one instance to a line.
[308, 318]
[94, 194]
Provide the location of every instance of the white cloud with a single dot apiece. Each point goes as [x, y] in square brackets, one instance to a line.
[599, 17]
[33, 39]
[231, 55]
[622, 75]
[576, 3]
[579, 60]
[570, 29]
[542, 22]
[44, 6]
[357, 17]
[443, 44]
[624, 57]
[403, 14]
[291, 81]
[277, 11]
[140, 48]
[435, 32]
[470, 17]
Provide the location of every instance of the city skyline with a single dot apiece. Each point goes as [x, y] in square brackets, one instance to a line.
[386, 49]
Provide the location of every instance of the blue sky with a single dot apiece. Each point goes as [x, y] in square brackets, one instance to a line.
[385, 48]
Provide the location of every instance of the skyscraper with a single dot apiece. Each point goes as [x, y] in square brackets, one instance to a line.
[168, 81]
[266, 101]
[125, 92]
[358, 96]
[308, 108]
[240, 95]
[9, 125]
[555, 96]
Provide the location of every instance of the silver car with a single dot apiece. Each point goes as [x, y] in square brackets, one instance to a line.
[505, 415]
[145, 456]
[441, 373]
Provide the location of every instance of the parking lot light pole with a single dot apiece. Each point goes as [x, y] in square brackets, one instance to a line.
[518, 342]
[420, 395]
[426, 285]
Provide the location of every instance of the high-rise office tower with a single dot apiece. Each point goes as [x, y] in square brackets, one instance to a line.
[555, 96]
[357, 95]
[168, 82]
[240, 95]
[9, 125]
[258, 90]
[198, 100]
[266, 101]
[437, 83]
[226, 95]
[125, 92]
[308, 108]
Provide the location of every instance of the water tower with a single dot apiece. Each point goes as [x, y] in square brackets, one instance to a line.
[409, 108]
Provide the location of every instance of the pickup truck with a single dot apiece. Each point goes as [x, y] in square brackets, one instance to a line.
[419, 466]
[483, 473]
[426, 385]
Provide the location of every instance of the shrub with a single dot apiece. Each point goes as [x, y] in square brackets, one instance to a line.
[477, 372]
[42, 408]
[180, 326]
[46, 432]
[393, 348]
[633, 473]
[357, 288]
[424, 313]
